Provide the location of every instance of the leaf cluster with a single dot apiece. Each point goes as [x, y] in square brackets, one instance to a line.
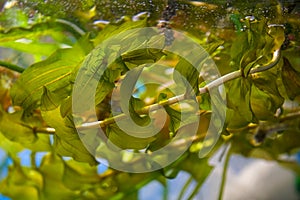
[36, 106]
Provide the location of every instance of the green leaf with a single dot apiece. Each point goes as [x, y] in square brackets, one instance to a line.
[261, 104]
[113, 29]
[205, 101]
[238, 48]
[265, 98]
[95, 73]
[22, 183]
[129, 104]
[252, 46]
[124, 140]
[135, 105]
[236, 19]
[175, 116]
[179, 117]
[50, 100]
[213, 46]
[66, 139]
[12, 127]
[52, 169]
[79, 176]
[13, 17]
[141, 52]
[142, 56]
[234, 119]
[32, 47]
[246, 69]
[188, 76]
[45, 28]
[15, 135]
[53, 73]
[198, 168]
[238, 100]
[12, 148]
[290, 79]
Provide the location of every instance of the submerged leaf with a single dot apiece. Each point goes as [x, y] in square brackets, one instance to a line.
[199, 169]
[238, 99]
[54, 73]
[291, 79]
[79, 176]
[125, 140]
[22, 183]
[265, 98]
[49, 100]
[46, 28]
[142, 56]
[111, 30]
[188, 76]
[52, 169]
[261, 104]
[12, 127]
[66, 140]
[32, 47]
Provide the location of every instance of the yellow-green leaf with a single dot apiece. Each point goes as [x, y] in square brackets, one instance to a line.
[66, 140]
[54, 73]
[291, 79]
[125, 141]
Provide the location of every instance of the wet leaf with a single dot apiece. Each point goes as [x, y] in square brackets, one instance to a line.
[204, 100]
[100, 69]
[238, 48]
[22, 183]
[79, 176]
[12, 127]
[10, 35]
[124, 140]
[199, 169]
[188, 76]
[291, 79]
[113, 29]
[54, 73]
[135, 105]
[49, 100]
[238, 100]
[129, 104]
[261, 104]
[142, 56]
[66, 139]
[52, 169]
[265, 98]
[32, 47]
[13, 17]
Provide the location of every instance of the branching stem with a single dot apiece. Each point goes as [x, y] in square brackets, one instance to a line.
[176, 99]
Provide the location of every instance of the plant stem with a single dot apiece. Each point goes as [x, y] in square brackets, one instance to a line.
[185, 187]
[176, 99]
[71, 25]
[45, 130]
[238, 73]
[11, 66]
[224, 174]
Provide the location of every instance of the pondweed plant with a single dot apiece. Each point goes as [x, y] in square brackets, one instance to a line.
[149, 94]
